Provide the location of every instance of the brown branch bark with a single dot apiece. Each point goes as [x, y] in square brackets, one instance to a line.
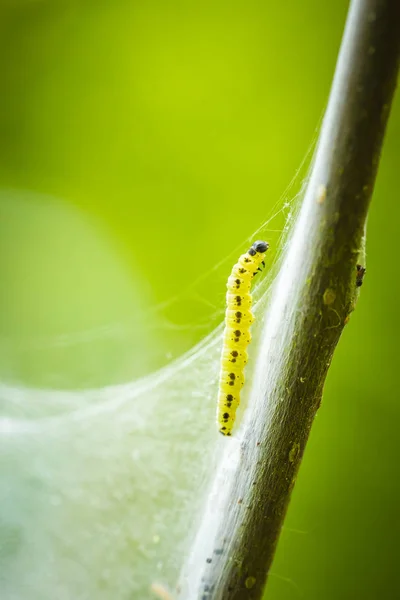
[312, 299]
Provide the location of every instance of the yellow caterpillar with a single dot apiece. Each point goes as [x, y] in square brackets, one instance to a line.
[238, 318]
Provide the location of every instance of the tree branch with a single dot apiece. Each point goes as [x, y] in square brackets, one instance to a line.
[311, 302]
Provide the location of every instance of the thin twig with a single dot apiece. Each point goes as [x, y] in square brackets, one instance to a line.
[312, 299]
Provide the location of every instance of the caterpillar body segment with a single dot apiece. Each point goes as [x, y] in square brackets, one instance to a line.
[238, 301]
[237, 317]
[236, 337]
[242, 283]
[234, 357]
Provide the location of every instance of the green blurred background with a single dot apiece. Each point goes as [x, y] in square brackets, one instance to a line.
[141, 143]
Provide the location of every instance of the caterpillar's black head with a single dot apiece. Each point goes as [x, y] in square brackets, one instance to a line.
[258, 246]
